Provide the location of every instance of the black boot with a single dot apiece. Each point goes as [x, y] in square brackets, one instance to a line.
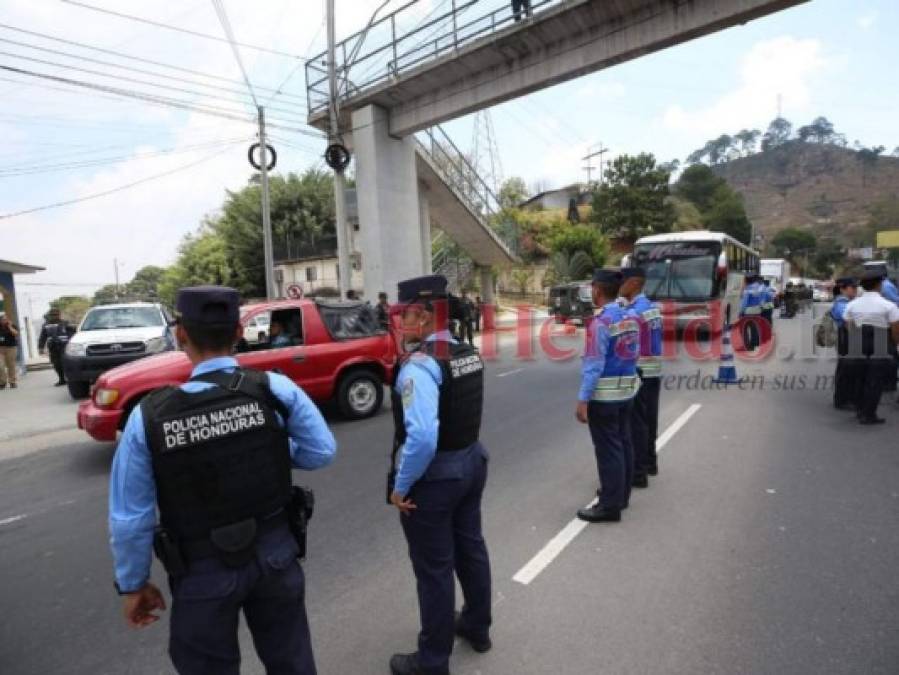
[407, 664]
[478, 643]
[641, 481]
[599, 514]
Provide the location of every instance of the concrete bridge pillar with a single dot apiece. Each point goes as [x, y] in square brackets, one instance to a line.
[424, 223]
[390, 220]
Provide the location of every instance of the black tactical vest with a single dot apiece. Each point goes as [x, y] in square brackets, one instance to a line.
[461, 396]
[219, 456]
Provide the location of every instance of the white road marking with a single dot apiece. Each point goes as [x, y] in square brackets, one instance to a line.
[13, 519]
[676, 426]
[510, 372]
[558, 543]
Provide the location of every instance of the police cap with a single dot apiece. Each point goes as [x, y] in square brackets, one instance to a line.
[874, 273]
[217, 305]
[633, 273]
[422, 288]
[603, 276]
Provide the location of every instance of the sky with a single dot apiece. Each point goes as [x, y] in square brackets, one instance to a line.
[63, 143]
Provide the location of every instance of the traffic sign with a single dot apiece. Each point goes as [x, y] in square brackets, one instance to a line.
[295, 292]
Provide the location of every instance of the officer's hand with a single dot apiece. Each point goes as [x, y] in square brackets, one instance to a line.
[581, 412]
[404, 504]
[139, 606]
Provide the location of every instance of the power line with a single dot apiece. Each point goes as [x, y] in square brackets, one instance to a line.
[132, 80]
[130, 57]
[80, 57]
[102, 161]
[177, 29]
[113, 190]
[224, 113]
[229, 33]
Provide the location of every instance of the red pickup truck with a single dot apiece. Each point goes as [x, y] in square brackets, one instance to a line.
[334, 351]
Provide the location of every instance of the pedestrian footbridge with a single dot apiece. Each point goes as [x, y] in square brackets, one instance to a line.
[406, 73]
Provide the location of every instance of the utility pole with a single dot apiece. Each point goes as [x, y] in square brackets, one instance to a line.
[115, 264]
[344, 272]
[590, 155]
[266, 210]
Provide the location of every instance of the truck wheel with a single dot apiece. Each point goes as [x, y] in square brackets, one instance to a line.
[360, 394]
[79, 390]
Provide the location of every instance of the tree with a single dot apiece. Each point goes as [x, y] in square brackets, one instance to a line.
[202, 259]
[748, 140]
[670, 166]
[512, 192]
[779, 132]
[521, 279]
[868, 157]
[302, 215]
[719, 149]
[687, 216]
[698, 184]
[582, 237]
[145, 284]
[819, 131]
[632, 201]
[792, 243]
[568, 267]
[727, 214]
[107, 294]
[827, 256]
[72, 307]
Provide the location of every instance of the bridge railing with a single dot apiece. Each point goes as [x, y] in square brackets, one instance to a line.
[402, 40]
[460, 174]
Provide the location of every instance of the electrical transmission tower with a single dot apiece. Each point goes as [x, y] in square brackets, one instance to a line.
[485, 152]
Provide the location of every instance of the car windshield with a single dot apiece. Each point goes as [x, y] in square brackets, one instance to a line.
[122, 317]
[678, 271]
[585, 293]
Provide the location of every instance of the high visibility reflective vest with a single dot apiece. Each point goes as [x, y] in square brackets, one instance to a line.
[650, 317]
[619, 381]
[753, 297]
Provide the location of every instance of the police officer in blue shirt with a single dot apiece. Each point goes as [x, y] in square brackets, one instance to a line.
[439, 478]
[215, 455]
[609, 383]
[751, 311]
[846, 378]
[645, 412]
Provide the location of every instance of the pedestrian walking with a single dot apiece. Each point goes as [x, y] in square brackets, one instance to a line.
[520, 7]
[439, 478]
[215, 457]
[466, 319]
[9, 352]
[54, 337]
[608, 385]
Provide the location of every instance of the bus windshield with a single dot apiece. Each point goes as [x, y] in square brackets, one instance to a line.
[679, 270]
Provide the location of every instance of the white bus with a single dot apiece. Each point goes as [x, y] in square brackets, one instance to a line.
[688, 273]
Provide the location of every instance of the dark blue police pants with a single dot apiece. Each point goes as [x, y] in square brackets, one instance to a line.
[645, 425]
[611, 432]
[444, 535]
[206, 604]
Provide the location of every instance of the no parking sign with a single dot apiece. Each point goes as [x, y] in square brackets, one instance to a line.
[295, 292]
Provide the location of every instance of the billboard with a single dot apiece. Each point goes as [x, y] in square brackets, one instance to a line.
[888, 239]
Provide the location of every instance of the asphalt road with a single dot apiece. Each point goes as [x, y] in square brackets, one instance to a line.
[768, 544]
